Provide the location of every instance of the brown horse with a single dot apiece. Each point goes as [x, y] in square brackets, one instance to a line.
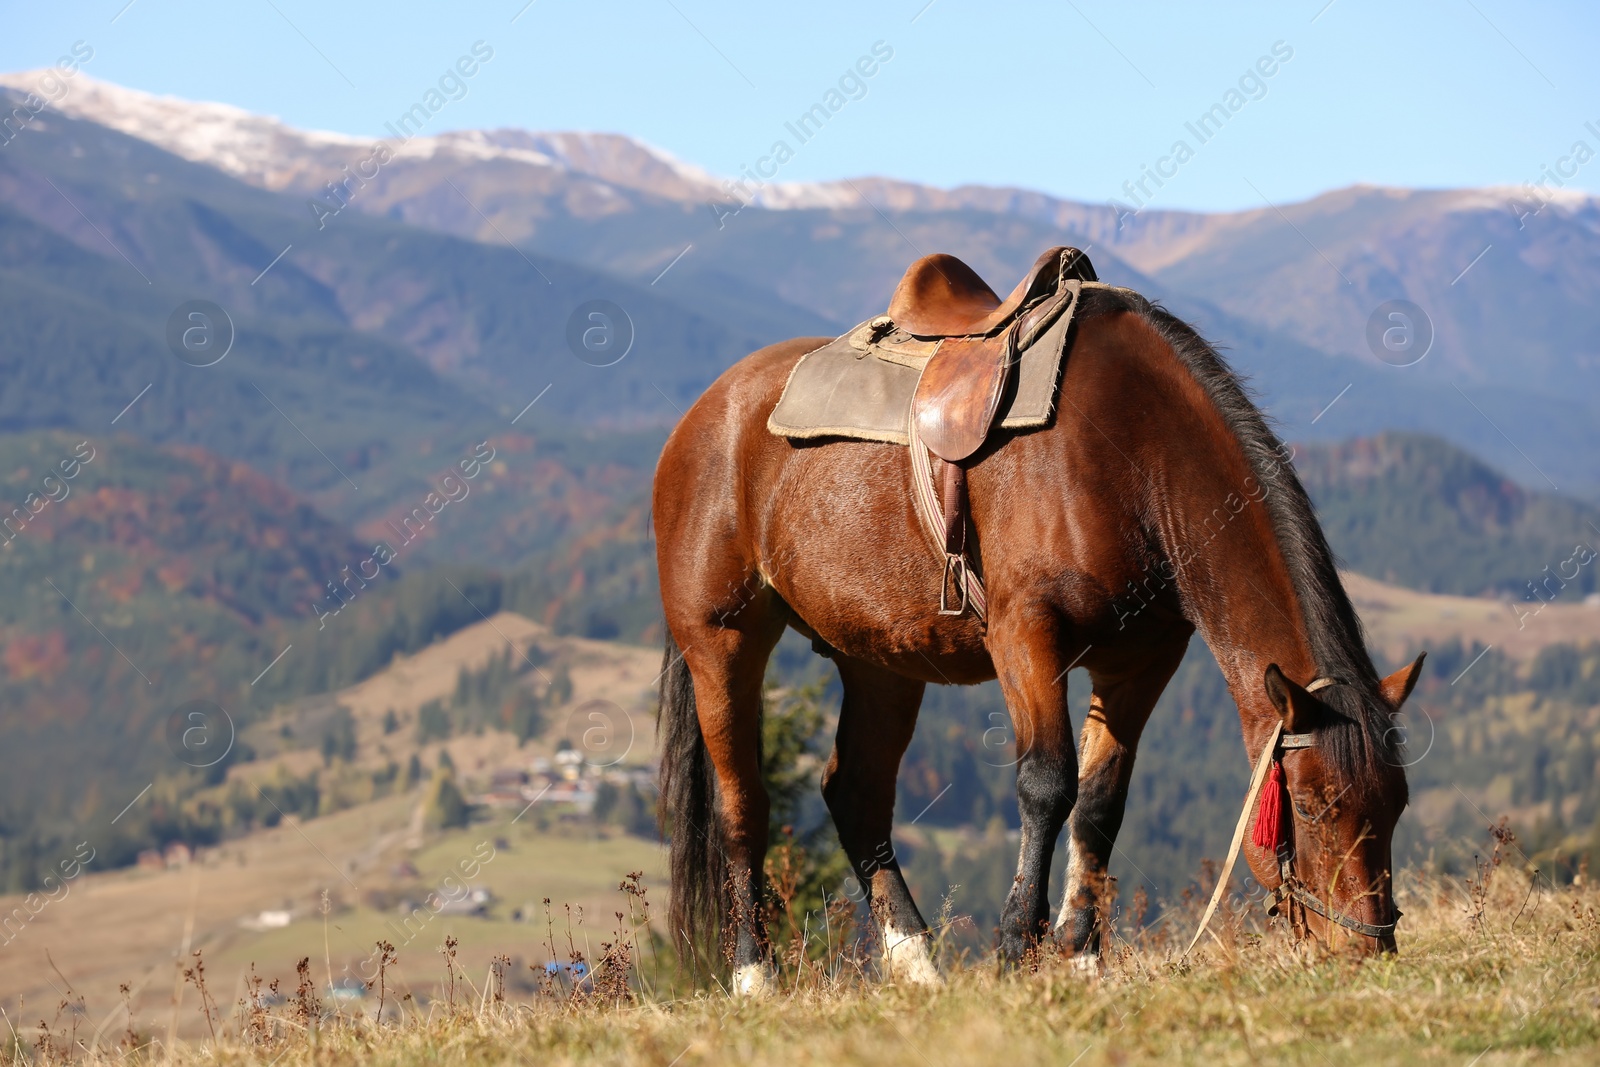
[1157, 503]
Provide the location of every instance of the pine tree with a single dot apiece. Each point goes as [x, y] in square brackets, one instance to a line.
[444, 806]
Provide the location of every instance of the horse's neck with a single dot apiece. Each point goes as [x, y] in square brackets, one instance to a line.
[1238, 591]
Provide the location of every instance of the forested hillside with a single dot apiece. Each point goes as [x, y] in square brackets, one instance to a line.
[1414, 511]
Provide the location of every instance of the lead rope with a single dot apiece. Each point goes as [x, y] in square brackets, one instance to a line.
[1256, 781]
[1271, 809]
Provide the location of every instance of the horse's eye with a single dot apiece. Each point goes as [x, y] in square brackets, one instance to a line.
[1298, 810]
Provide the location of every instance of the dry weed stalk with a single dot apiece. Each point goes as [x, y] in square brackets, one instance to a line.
[498, 965]
[326, 907]
[1501, 836]
[638, 896]
[50, 1051]
[448, 951]
[130, 1034]
[257, 1026]
[608, 982]
[307, 1006]
[197, 976]
[386, 959]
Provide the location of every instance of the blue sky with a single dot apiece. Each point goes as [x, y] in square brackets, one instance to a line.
[1072, 98]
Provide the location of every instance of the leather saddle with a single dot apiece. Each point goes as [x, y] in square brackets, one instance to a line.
[979, 336]
[977, 339]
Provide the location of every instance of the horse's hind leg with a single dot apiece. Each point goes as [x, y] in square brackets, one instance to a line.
[1118, 710]
[727, 659]
[875, 726]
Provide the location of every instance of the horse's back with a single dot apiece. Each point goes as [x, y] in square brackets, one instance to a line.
[723, 431]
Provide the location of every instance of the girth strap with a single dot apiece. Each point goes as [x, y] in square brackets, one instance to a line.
[944, 514]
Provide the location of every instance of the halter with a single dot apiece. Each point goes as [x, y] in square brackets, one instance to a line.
[1290, 889]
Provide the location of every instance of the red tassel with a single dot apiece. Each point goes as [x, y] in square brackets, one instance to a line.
[1269, 820]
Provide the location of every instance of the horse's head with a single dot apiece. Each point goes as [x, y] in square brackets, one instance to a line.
[1342, 789]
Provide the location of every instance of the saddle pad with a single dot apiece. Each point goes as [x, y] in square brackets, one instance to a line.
[841, 390]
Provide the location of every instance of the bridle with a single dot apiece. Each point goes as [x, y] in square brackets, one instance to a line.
[1290, 891]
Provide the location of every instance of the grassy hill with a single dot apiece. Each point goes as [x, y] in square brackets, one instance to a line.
[122, 926]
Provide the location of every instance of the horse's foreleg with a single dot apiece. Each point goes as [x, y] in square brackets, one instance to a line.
[1028, 660]
[875, 726]
[1118, 710]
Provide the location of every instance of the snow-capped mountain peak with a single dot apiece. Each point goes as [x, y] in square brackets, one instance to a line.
[264, 150]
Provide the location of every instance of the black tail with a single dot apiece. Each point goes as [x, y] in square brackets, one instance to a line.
[688, 814]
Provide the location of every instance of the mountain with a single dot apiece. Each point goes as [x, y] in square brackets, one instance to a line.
[1313, 270]
[367, 355]
[1505, 282]
[1290, 290]
[457, 183]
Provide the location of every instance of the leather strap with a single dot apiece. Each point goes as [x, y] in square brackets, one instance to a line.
[927, 500]
[953, 503]
[1311, 903]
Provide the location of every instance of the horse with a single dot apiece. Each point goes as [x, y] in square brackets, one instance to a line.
[1157, 503]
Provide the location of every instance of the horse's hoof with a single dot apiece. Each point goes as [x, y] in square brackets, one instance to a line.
[757, 981]
[1011, 952]
[906, 958]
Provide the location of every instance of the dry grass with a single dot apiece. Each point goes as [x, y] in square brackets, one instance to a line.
[127, 925]
[1499, 969]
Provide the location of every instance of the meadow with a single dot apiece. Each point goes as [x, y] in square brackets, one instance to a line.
[1499, 967]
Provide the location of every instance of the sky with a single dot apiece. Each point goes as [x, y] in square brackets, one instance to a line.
[1069, 97]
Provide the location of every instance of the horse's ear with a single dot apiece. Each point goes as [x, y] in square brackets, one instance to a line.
[1399, 685]
[1294, 704]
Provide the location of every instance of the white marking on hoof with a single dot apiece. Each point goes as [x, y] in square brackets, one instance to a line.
[906, 957]
[755, 980]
